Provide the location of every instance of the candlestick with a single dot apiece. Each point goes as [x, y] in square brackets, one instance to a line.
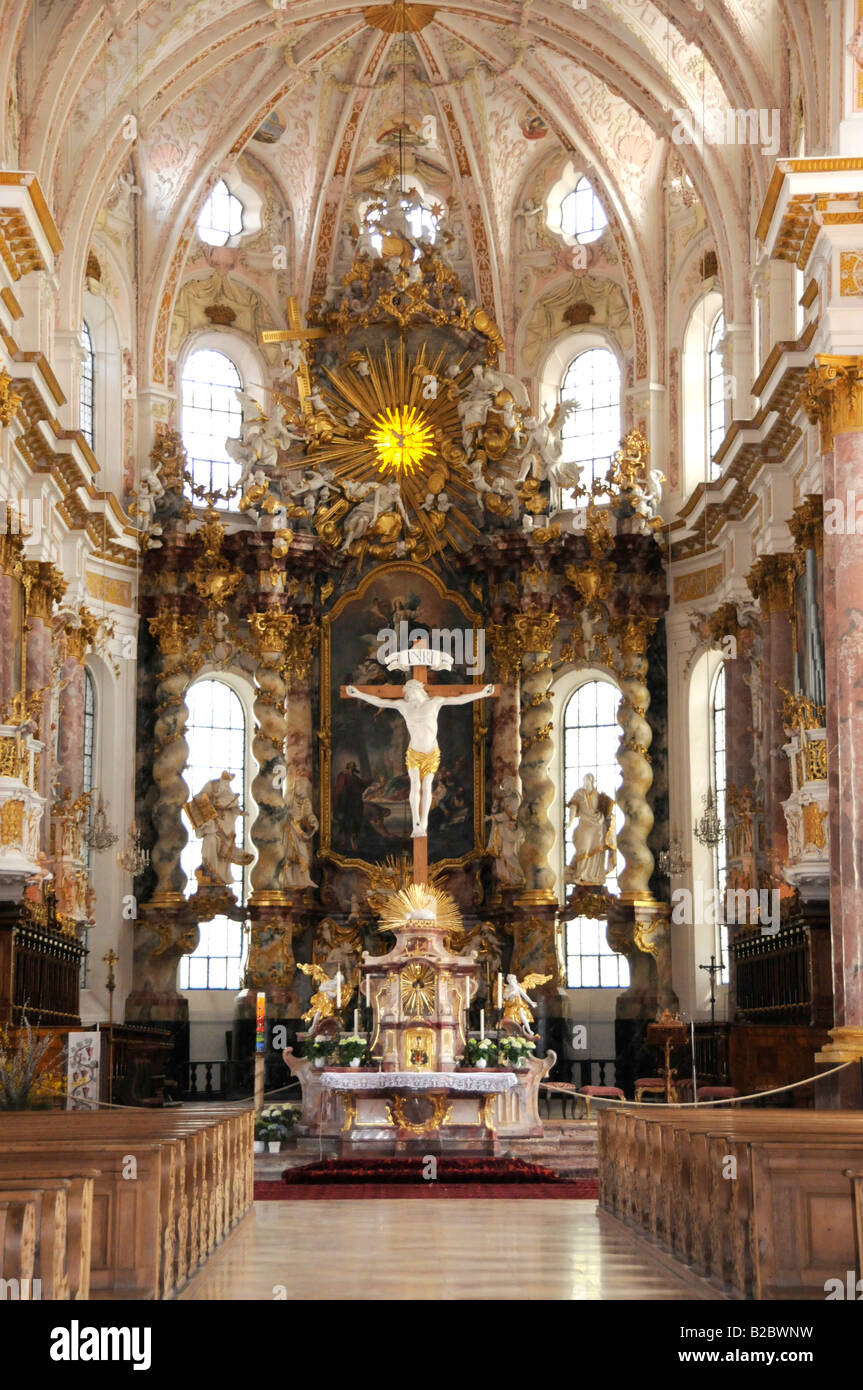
[482, 1025]
[499, 989]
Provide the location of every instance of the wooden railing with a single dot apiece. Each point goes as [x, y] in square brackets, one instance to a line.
[229, 1080]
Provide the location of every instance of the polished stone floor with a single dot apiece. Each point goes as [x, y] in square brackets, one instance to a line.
[435, 1250]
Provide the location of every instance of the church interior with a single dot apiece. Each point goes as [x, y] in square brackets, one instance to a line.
[430, 652]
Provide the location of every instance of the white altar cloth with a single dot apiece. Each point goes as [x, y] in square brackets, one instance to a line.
[474, 1083]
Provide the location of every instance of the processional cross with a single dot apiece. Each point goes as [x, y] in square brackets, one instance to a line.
[296, 333]
[419, 708]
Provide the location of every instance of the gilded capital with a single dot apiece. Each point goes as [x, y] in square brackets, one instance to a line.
[536, 630]
[806, 524]
[633, 633]
[272, 630]
[47, 587]
[80, 636]
[506, 647]
[173, 631]
[300, 650]
[832, 396]
[771, 581]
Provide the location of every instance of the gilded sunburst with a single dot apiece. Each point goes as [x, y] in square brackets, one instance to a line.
[402, 439]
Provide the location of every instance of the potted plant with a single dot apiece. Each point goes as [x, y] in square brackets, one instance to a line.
[480, 1052]
[30, 1071]
[515, 1050]
[262, 1134]
[352, 1050]
[320, 1050]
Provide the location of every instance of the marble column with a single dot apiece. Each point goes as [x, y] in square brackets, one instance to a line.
[268, 747]
[504, 645]
[70, 735]
[173, 633]
[636, 771]
[837, 395]
[772, 582]
[39, 676]
[299, 655]
[536, 631]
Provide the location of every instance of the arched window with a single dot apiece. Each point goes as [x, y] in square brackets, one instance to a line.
[715, 390]
[221, 217]
[581, 213]
[85, 396]
[720, 856]
[591, 737]
[216, 737]
[211, 414]
[592, 432]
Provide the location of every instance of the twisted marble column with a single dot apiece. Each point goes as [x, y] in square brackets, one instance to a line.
[637, 773]
[536, 632]
[173, 633]
[268, 747]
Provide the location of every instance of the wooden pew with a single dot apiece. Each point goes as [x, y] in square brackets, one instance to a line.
[205, 1180]
[17, 1243]
[779, 1228]
[50, 1198]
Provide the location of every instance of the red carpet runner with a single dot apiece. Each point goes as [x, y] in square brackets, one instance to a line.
[341, 1179]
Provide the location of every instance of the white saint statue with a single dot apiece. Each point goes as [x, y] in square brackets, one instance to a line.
[420, 712]
[214, 813]
[505, 836]
[301, 826]
[593, 838]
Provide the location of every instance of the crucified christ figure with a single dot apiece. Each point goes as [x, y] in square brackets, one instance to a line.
[420, 712]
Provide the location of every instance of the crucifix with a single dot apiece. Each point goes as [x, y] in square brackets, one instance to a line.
[419, 708]
[296, 333]
[714, 970]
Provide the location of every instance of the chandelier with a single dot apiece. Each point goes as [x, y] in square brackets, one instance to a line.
[134, 858]
[709, 829]
[673, 861]
[99, 835]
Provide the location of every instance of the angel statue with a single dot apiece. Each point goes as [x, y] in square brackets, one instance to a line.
[517, 1005]
[329, 999]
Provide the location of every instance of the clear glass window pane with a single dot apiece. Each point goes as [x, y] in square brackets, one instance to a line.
[581, 213]
[715, 391]
[85, 397]
[221, 216]
[216, 738]
[591, 434]
[591, 737]
[211, 414]
[720, 853]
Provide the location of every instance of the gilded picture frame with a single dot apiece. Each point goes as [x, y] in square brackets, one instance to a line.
[461, 731]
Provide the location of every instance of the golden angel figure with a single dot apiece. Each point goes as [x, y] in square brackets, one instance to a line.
[517, 1005]
[329, 999]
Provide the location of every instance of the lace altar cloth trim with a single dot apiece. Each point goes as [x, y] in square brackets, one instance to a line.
[475, 1082]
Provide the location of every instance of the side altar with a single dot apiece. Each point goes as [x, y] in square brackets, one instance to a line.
[417, 996]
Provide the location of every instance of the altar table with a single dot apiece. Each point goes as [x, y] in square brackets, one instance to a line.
[418, 1102]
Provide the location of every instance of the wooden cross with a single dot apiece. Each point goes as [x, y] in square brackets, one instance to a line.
[420, 673]
[296, 333]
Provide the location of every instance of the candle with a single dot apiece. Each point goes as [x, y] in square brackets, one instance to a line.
[356, 1024]
[499, 989]
[368, 992]
[481, 1024]
[338, 991]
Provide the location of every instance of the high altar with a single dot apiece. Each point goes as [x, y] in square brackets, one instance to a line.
[419, 994]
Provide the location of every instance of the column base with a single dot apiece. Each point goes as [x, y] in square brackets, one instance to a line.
[846, 1045]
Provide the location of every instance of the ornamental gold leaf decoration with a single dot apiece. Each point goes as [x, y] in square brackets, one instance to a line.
[417, 989]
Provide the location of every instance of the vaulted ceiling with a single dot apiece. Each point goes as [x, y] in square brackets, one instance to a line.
[184, 86]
